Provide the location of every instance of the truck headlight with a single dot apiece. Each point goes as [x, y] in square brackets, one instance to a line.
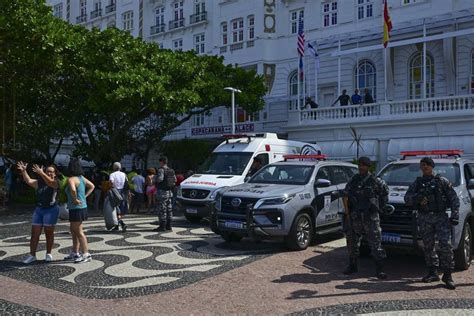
[275, 201]
[215, 192]
[218, 204]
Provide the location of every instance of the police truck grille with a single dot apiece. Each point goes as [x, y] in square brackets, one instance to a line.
[227, 206]
[402, 221]
[195, 194]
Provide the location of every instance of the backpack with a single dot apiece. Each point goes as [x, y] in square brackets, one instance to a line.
[169, 180]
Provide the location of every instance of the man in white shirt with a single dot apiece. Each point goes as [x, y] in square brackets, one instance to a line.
[118, 180]
[138, 182]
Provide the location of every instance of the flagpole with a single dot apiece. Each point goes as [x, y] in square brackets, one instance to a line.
[385, 71]
[339, 69]
[299, 85]
[316, 80]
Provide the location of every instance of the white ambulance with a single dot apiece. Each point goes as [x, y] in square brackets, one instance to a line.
[229, 165]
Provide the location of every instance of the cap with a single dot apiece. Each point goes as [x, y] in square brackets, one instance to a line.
[365, 161]
[428, 161]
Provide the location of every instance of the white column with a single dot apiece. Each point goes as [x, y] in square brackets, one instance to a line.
[299, 86]
[424, 61]
[316, 80]
[233, 112]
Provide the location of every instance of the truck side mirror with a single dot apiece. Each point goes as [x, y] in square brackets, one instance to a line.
[322, 183]
[470, 185]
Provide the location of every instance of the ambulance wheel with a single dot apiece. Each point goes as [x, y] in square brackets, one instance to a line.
[301, 233]
[193, 219]
[231, 237]
[462, 255]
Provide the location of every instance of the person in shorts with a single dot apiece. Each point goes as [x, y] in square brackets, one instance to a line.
[150, 189]
[46, 212]
[77, 206]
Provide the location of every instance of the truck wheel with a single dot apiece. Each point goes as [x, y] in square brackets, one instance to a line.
[231, 237]
[213, 223]
[193, 219]
[462, 255]
[301, 233]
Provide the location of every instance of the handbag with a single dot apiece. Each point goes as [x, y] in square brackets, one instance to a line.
[115, 198]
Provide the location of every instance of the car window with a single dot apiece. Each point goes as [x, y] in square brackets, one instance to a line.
[264, 158]
[323, 173]
[350, 171]
[471, 166]
[339, 176]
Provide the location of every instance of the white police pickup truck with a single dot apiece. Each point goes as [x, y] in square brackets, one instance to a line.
[229, 164]
[400, 228]
[295, 199]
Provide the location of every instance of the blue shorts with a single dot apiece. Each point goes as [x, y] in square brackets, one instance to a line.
[78, 215]
[45, 216]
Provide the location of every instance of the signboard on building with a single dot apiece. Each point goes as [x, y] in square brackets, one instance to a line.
[213, 130]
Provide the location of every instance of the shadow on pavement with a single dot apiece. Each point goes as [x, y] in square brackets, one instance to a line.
[325, 269]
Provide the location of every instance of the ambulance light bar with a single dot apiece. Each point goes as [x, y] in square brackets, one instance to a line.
[448, 153]
[305, 157]
[229, 137]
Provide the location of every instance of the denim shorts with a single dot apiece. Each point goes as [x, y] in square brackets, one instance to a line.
[78, 215]
[45, 216]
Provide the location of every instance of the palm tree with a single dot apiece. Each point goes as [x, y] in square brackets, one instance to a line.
[356, 140]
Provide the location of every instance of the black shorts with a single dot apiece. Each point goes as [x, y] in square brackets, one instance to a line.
[78, 215]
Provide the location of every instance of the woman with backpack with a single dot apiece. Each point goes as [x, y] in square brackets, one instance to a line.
[46, 212]
[77, 205]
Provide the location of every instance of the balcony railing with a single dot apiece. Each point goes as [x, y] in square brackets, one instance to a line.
[251, 43]
[156, 29]
[223, 49]
[384, 111]
[236, 46]
[176, 24]
[81, 19]
[198, 17]
[96, 13]
[110, 8]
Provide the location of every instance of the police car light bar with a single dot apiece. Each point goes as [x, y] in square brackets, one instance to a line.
[229, 137]
[305, 157]
[450, 152]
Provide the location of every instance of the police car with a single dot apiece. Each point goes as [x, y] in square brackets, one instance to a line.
[400, 227]
[295, 199]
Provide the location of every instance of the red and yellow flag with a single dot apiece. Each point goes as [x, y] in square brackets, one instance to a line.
[387, 25]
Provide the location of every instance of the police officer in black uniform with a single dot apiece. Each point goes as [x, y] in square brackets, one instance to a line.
[431, 195]
[365, 195]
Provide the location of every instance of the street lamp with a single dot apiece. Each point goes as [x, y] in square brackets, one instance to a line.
[233, 90]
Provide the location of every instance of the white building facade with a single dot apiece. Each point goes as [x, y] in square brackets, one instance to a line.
[422, 84]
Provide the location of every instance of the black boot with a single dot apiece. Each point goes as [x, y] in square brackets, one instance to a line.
[123, 225]
[379, 270]
[168, 226]
[432, 276]
[448, 279]
[352, 267]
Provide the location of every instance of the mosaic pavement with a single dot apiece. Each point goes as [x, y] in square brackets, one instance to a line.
[135, 263]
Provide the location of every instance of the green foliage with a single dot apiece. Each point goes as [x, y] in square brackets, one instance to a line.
[63, 183]
[112, 94]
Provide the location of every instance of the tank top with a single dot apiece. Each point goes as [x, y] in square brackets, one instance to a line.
[45, 195]
[81, 195]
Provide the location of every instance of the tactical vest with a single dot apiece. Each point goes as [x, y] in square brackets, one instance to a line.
[433, 192]
[363, 192]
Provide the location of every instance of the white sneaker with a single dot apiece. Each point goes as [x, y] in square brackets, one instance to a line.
[70, 256]
[85, 258]
[78, 258]
[29, 259]
[48, 257]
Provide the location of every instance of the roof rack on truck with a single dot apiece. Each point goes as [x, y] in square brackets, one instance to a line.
[305, 157]
[432, 153]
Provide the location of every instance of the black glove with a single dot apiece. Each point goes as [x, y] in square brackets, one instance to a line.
[454, 219]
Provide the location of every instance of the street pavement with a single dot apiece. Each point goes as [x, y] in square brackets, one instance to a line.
[192, 271]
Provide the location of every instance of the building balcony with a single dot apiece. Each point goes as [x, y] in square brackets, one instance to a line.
[251, 43]
[223, 49]
[110, 8]
[81, 19]
[198, 17]
[390, 111]
[156, 29]
[96, 13]
[236, 46]
[176, 24]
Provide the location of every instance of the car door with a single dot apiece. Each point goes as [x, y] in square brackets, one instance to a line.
[340, 176]
[326, 202]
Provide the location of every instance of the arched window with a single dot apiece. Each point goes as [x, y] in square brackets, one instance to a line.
[293, 89]
[416, 76]
[365, 78]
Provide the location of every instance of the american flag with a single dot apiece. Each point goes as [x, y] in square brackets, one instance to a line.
[300, 45]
